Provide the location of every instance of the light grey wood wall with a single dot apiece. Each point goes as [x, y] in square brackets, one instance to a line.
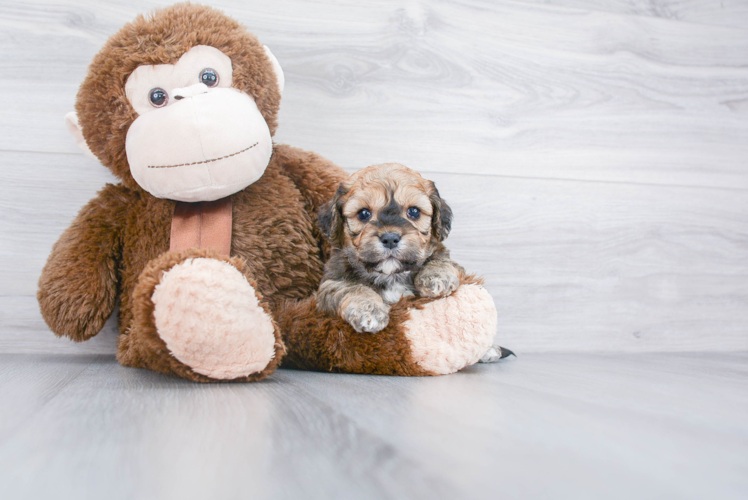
[595, 152]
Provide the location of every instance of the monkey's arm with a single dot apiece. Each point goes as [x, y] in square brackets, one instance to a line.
[440, 275]
[78, 286]
[317, 178]
[359, 305]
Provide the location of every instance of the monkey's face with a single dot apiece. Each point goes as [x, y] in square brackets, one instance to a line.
[195, 138]
[387, 217]
[182, 103]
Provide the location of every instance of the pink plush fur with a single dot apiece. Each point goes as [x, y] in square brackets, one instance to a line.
[452, 333]
[209, 317]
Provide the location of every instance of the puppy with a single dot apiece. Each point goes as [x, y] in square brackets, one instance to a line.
[386, 225]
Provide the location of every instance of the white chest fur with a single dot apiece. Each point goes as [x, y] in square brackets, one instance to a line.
[395, 292]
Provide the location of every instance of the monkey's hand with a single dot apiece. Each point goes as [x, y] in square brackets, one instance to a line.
[78, 286]
[366, 315]
[438, 278]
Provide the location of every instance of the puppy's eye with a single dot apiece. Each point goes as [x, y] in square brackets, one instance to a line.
[364, 215]
[414, 213]
[158, 97]
[209, 77]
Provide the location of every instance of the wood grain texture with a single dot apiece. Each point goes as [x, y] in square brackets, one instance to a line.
[487, 87]
[594, 152]
[543, 426]
[571, 265]
[732, 13]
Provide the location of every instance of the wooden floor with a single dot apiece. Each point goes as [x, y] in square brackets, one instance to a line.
[577, 426]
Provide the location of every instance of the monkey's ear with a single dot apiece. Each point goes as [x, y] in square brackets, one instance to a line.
[277, 68]
[441, 220]
[71, 122]
[331, 219]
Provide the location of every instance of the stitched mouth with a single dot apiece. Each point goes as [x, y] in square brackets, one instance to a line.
[205, 161]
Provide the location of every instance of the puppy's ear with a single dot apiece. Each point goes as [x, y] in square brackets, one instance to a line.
[441, 220]
[330, 217]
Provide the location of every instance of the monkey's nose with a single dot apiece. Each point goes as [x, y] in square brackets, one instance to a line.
[191, 91]
[390, 240]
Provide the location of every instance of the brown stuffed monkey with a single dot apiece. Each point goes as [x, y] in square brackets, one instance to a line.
[210, 240]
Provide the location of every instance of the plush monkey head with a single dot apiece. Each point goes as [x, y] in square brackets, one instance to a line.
[182, 103]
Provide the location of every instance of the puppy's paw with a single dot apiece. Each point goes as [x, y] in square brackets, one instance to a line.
[433, 283]
[367, 316]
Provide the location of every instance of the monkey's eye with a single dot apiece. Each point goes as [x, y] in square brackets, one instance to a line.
[209, 77]
[158, 97]
[364, 215]
[414, 213]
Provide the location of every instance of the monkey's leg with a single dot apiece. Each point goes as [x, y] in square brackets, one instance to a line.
[423, 337]
[196, 315]
[324, 341]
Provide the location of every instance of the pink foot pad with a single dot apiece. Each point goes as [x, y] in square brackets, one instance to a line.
[454, 332]
[210, 319]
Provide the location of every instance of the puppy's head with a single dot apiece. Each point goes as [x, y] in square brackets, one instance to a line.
[387, 217]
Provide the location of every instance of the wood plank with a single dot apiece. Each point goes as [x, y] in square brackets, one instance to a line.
[504, 88]
[566, 425]
[585, 426]
[732, 13]
[596, 266]
[160, 437]
[29, 382]
[571, 265]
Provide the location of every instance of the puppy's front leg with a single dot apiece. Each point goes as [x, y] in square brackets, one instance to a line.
[439, 277]
[359, 305]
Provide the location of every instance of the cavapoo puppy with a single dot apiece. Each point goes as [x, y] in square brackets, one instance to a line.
[386, 225]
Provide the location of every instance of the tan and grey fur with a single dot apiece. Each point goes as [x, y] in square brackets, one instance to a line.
[364, 275]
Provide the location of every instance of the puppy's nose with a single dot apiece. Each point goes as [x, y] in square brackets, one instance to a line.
[390, 240]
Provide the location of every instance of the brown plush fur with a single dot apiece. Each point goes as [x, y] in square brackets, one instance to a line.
[328, 343]
[102, 255]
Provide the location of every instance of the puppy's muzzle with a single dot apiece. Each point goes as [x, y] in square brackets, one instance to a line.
[390, 240]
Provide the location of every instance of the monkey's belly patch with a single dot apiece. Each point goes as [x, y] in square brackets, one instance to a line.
[205, 161]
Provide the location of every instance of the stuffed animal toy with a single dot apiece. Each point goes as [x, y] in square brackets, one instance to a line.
[210, 240]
